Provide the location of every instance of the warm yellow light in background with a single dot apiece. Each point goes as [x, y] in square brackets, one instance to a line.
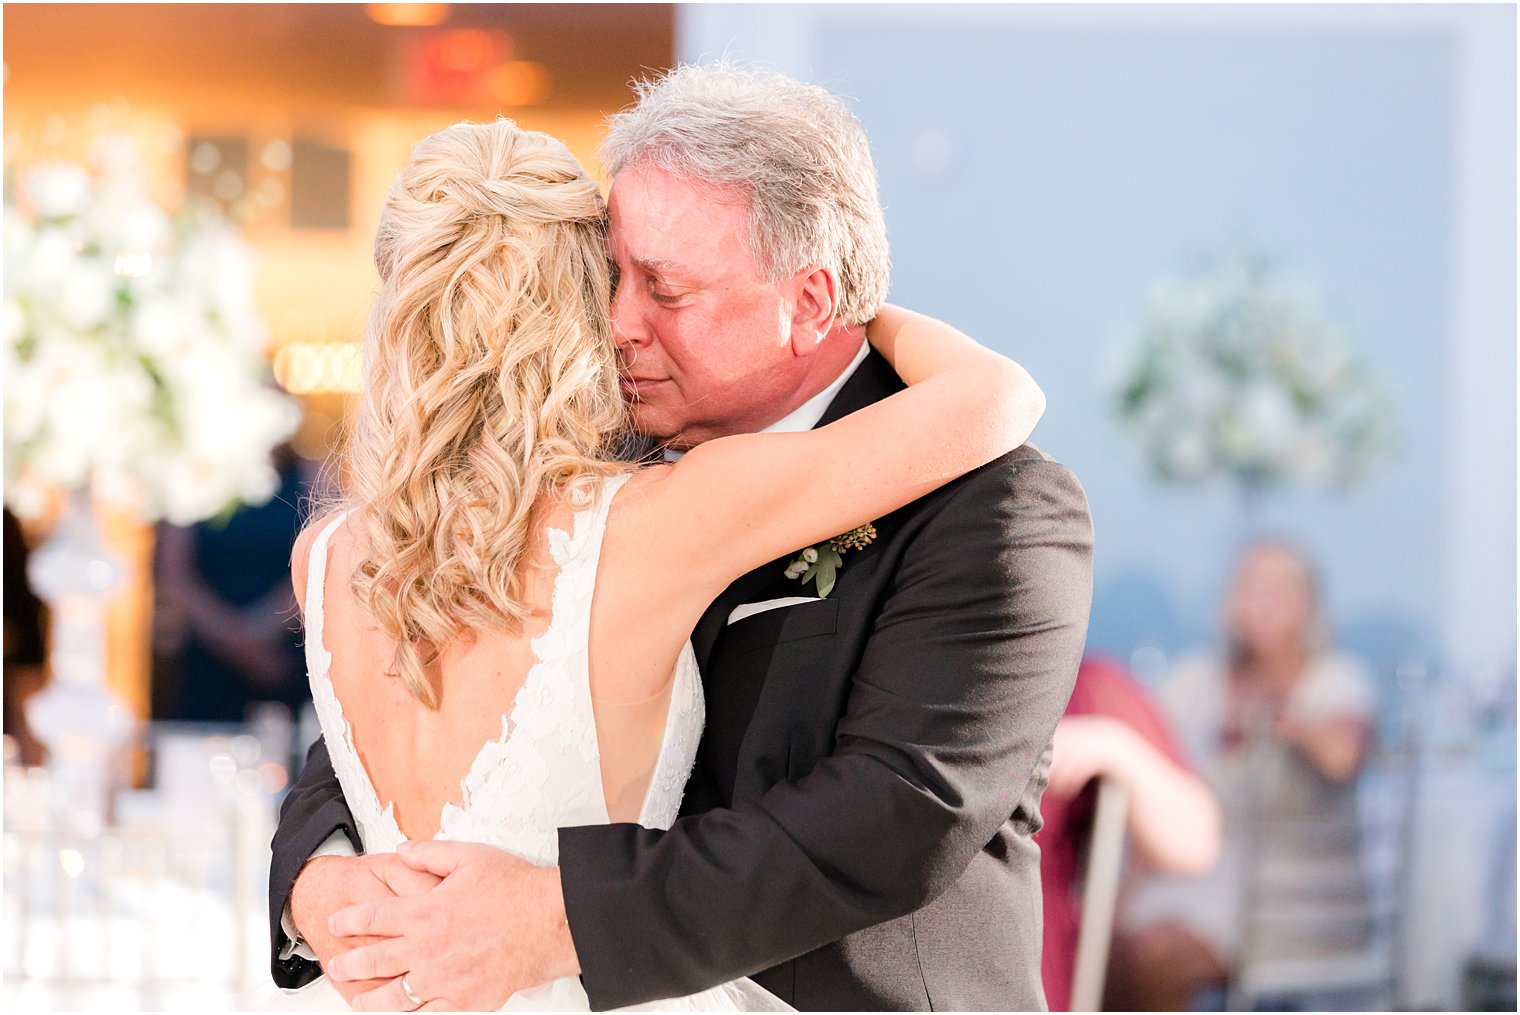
[407, 15]
[520, 83]
[314, 368]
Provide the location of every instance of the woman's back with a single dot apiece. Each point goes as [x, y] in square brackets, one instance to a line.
[519, 745]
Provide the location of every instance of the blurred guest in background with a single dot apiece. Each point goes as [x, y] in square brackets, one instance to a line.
[1111, 730]
[224, 588]
[24, 651]
[1279, 728]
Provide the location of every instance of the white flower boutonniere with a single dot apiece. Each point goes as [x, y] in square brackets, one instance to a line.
[820, 564]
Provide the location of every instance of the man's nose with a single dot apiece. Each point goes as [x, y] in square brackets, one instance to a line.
[626, 327]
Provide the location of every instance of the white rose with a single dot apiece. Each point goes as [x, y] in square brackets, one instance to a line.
[58, 190]
[15, 323]
[160, 326]
[141, 226]
[19, 237]
[61, 463]
[1267, 412]
[1187, 455]
[86, 294]
[26, 401]
[52, 252]
[1202, 388]
[78, 416]
[1234, 438]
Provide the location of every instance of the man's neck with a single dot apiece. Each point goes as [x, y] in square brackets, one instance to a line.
[806, 414]
[838, 355]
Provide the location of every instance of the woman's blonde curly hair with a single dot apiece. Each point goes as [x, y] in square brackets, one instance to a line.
[490, 381]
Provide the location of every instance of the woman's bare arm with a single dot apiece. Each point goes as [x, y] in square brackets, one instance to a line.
[737, 502]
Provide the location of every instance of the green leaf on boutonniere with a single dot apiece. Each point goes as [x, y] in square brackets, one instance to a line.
[826, 571]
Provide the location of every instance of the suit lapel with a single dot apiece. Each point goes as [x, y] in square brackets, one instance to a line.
[871, 382]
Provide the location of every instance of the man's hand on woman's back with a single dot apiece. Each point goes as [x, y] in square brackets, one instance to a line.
[496, 925]
[330, 883]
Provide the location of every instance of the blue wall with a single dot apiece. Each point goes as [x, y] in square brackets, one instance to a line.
[1040, 171]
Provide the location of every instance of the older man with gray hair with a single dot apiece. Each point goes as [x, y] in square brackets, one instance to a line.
[857, 833]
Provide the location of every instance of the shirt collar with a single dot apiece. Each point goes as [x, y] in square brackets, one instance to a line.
[807, 415]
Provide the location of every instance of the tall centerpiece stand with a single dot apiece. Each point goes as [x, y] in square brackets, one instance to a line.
[76, 716]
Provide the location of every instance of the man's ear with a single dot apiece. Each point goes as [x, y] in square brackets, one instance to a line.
[814, 292]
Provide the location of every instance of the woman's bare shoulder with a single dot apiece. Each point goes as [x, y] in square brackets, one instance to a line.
[300, 554]
[642, 494]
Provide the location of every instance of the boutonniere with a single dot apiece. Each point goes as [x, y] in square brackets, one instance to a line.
[820, 564]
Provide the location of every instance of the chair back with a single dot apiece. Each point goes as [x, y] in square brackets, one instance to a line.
[1327, 874]
[1100, 895]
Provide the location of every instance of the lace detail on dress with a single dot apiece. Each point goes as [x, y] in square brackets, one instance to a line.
[678, 752]
[544, 771]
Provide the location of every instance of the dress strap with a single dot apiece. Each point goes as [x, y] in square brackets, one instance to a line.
[316, 583]
[610, 486]
[581, 547]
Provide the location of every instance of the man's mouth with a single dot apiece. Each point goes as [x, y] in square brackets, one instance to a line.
[641, 385]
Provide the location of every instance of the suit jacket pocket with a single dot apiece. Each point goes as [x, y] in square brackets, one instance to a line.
[789, 623]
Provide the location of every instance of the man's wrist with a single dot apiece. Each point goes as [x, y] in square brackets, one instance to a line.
[336, 844]
[563, 960]
[308, 921]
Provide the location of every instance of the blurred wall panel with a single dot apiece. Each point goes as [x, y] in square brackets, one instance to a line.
[1042, 166]
[268, 99]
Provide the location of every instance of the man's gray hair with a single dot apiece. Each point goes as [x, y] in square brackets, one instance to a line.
[797, 149]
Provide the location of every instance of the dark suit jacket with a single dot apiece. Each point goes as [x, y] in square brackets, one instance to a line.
[859, 824]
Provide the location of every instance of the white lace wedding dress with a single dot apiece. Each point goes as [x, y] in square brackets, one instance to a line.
[541, 774]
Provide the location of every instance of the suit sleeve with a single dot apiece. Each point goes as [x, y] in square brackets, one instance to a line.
[963, 679]
[312, 811]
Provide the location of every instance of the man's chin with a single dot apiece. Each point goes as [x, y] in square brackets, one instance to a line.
[674, 431]
[658, 427]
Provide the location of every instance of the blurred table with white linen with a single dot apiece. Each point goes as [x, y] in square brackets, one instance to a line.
[162, 907]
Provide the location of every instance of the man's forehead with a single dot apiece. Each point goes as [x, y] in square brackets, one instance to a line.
[646, 177]
[667, 224]
[653, 193]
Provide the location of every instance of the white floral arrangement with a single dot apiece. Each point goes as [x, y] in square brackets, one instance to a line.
[134, 357]
[1235, 374]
